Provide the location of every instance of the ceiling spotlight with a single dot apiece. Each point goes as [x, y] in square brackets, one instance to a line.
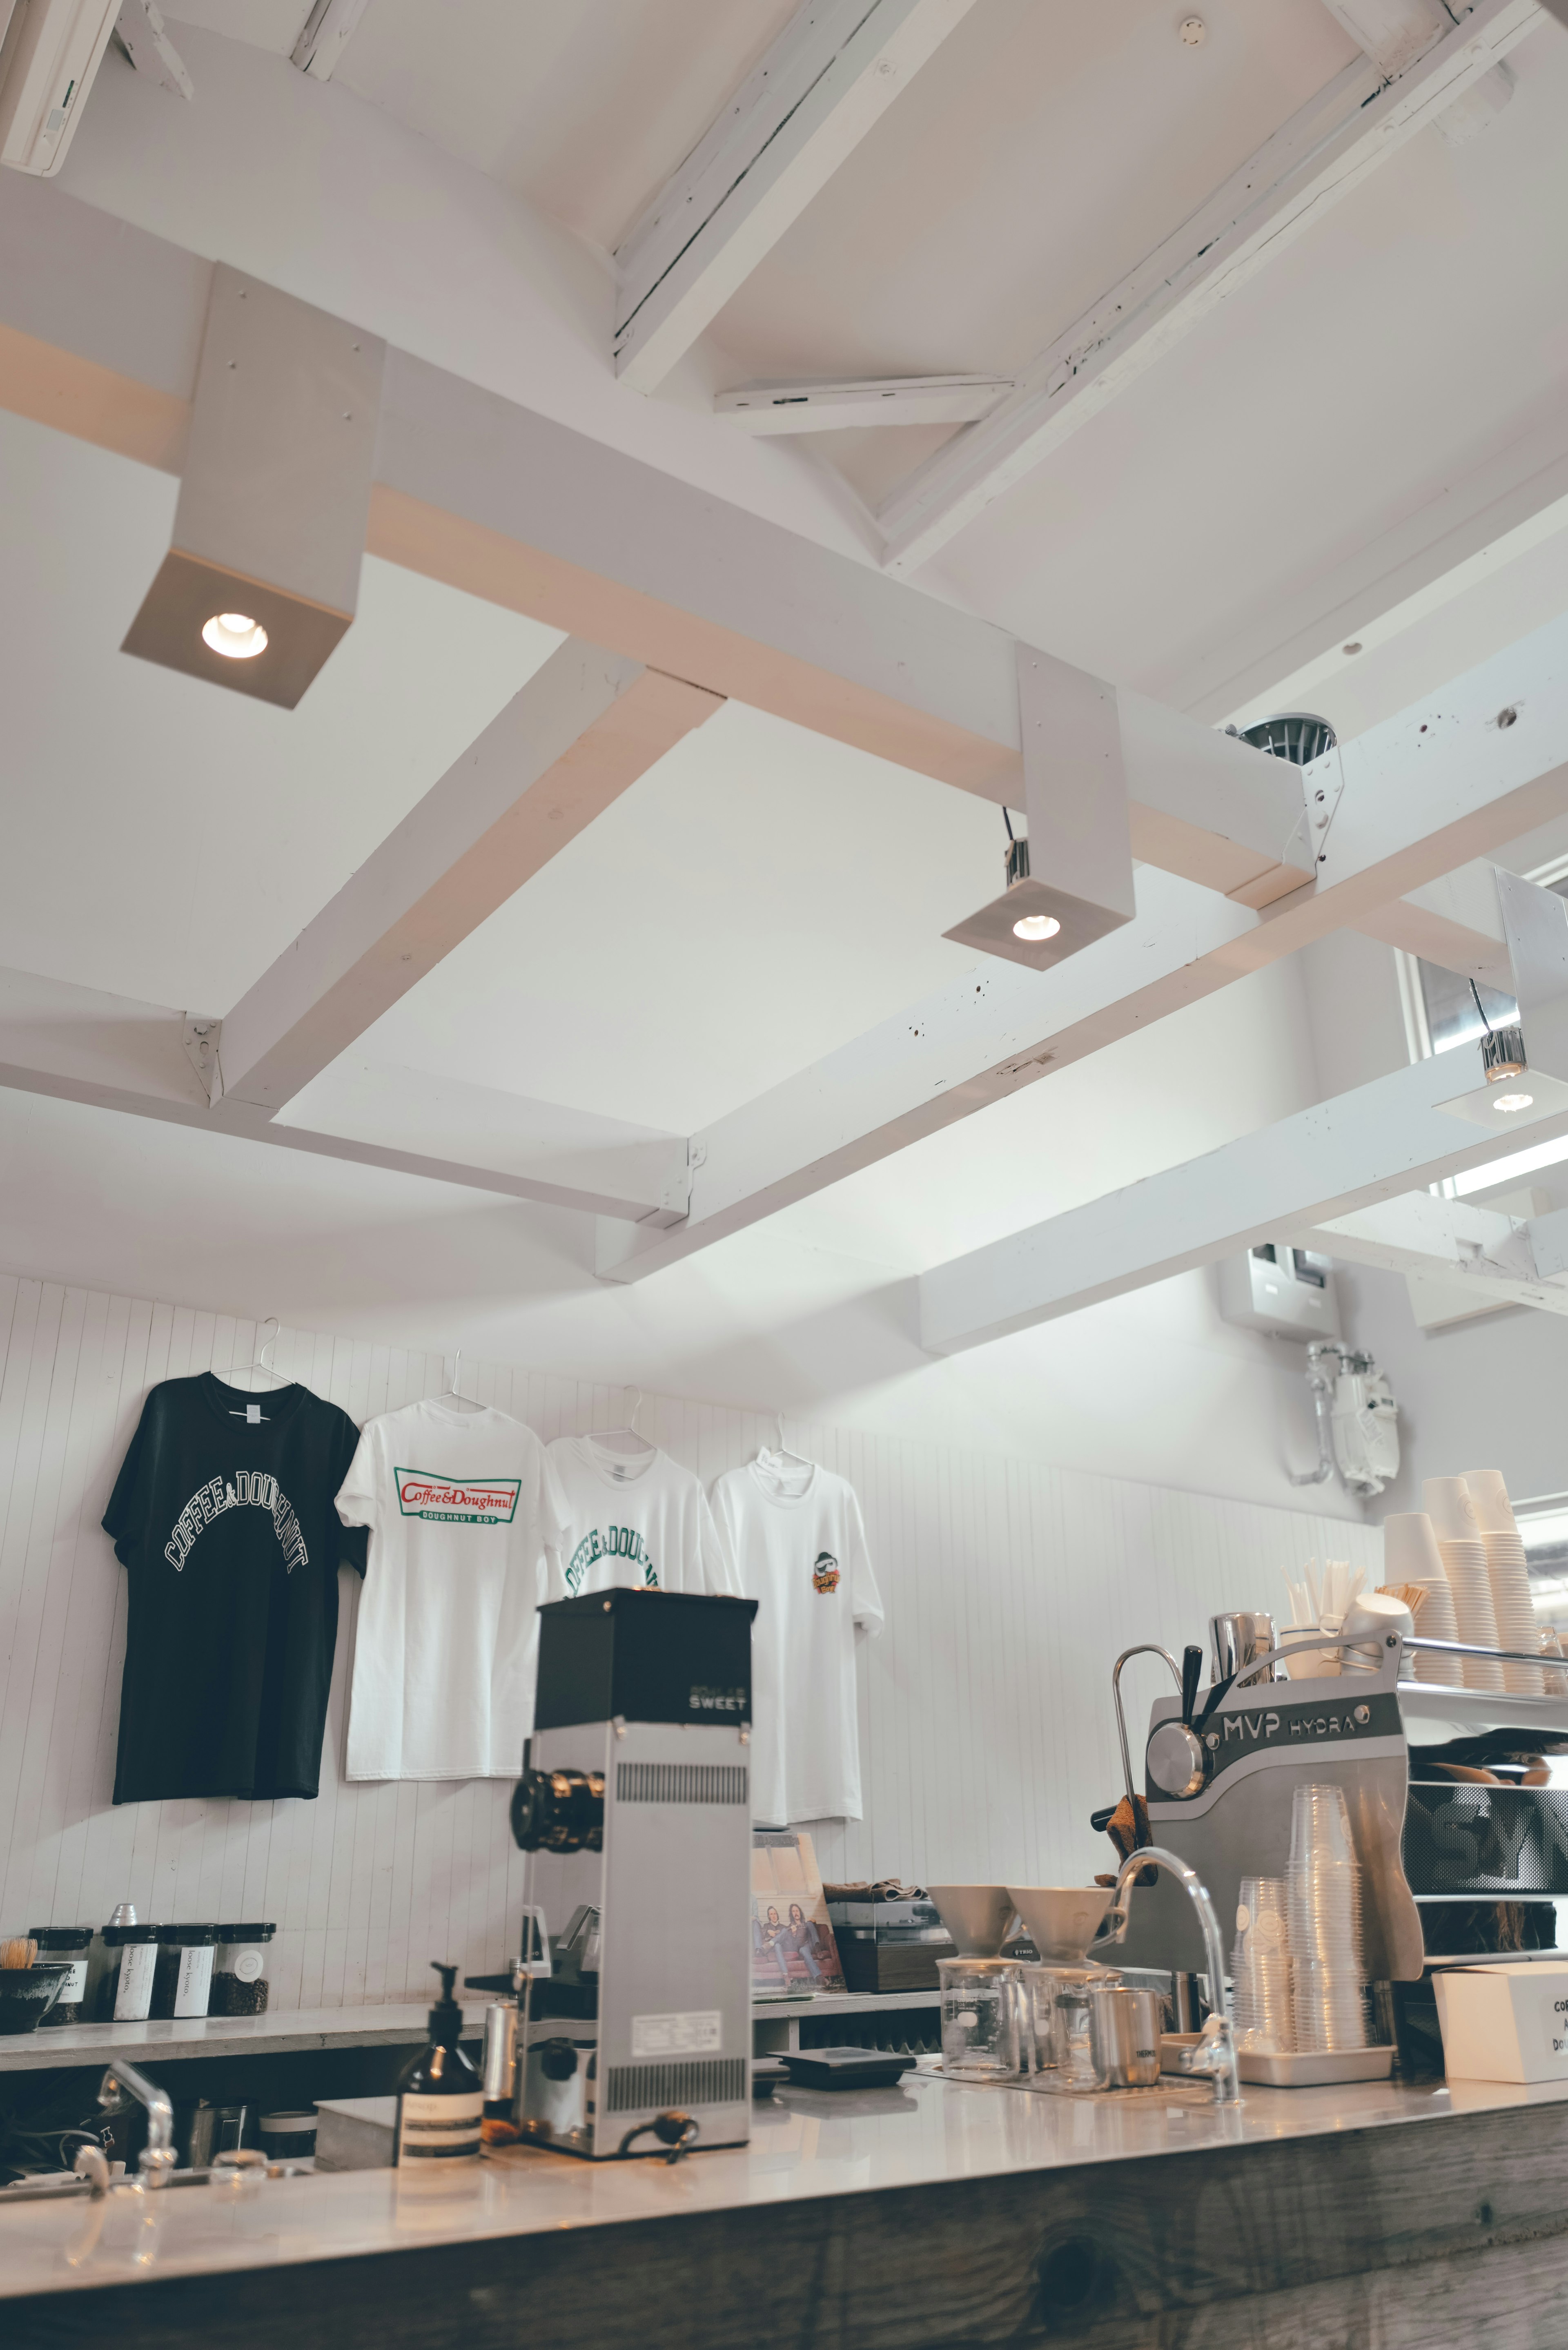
[1508, 1103]
[235, 635]
[1037, 926]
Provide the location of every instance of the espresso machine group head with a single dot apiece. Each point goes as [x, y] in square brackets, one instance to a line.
[635, 1803]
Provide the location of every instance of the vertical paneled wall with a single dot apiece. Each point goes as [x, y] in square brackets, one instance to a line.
[986, 1729]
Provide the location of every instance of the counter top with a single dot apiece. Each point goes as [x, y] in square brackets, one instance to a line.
[807, 2146]
[226, 2036]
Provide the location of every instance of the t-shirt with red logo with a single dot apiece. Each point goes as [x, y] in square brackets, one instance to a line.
[463, 1507]
[799, 1547]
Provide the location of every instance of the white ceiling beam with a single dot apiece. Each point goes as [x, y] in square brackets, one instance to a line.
[78, 1044]
[1478, 524]
[324, 34]
[818, 407]
[1319, 156]
[829, 78]
[1394, 33]
[140, 31]
[101, 328]
[577, 735]
[1409, 801]
[1455, 922]
[1480, 1250]
[1297, 1175]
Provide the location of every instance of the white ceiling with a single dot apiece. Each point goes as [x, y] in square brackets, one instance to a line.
[764, 894]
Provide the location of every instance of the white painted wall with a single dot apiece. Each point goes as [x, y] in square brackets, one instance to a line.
[812, 1311]
[1488, 1394]
[986, 1732]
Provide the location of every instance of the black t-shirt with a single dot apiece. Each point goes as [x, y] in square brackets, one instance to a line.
[227, 1526]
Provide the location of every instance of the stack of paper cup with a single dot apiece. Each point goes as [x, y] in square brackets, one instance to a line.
[1260, 1965]
[1328, 1971]
[1511, 1600]
[1463, 1553]
[1410, 1554]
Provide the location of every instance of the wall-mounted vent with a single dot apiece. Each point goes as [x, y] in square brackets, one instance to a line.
[706, 2080]
[680, 1783]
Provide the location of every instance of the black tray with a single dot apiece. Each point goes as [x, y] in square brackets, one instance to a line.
[845, 2068]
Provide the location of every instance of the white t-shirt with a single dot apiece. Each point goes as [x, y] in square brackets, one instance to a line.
[461, 1507]
[635, 1519]
[800, 1551]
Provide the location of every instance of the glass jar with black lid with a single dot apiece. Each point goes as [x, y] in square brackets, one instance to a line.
[239, 1973]
[125, 1988]
[181, 1984]
[69, 1946]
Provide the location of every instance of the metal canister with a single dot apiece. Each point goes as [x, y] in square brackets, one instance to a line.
[1124, 2026]
[1240, 1637]
[500, 2064]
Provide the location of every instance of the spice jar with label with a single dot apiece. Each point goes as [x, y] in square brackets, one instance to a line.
[71, 1947]
[183, 1979]
[124, 1989]
[239, 1977]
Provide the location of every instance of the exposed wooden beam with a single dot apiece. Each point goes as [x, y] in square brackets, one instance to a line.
[1407, 803]
[324, 34]
[1394, 33]
[1371, 1145]
[1481, 1250]
[101, 328]
[78, 1044]
[1319, 156]
[580, 732]
[1455, 922]
[777, 408]
[831, 74]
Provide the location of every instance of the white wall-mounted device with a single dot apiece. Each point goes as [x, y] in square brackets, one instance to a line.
[1286, 1292]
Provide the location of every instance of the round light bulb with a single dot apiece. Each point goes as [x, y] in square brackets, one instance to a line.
[1508, 1103]
[235, 635]
[1037, 926]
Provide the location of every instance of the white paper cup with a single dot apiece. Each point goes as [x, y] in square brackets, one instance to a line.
[1494, 1512]
[1410, 1548]
[1452, 1508]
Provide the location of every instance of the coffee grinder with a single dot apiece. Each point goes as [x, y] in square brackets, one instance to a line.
[634, 1807]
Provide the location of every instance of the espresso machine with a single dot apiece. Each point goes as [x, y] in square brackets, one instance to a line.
[634, 1808]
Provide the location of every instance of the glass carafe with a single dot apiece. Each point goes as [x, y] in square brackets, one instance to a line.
[982, 2008]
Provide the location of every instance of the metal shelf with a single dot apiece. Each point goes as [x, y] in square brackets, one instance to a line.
[1481, 1709]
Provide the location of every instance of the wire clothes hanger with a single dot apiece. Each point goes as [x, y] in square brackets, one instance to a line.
[451, 1394]
[627, 1438]
[782, 1457]
[258, 1362]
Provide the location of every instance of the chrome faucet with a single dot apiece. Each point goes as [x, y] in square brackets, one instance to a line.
[1215, 2054]
[158, 2154]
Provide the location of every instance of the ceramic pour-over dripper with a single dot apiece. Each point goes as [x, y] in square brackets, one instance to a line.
[976, 1916]
[1061, 1920]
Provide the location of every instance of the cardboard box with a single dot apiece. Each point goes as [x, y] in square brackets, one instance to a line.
[1503, 2022]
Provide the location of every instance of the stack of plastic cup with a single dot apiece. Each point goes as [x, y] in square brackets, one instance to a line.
[1513, 1602]
[1328, 1970]
[1410, 1554]
[1463, 1553]
[1260, 1967]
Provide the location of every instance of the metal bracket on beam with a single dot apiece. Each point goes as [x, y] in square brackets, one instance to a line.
[202, 1037]
[674, 1198]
